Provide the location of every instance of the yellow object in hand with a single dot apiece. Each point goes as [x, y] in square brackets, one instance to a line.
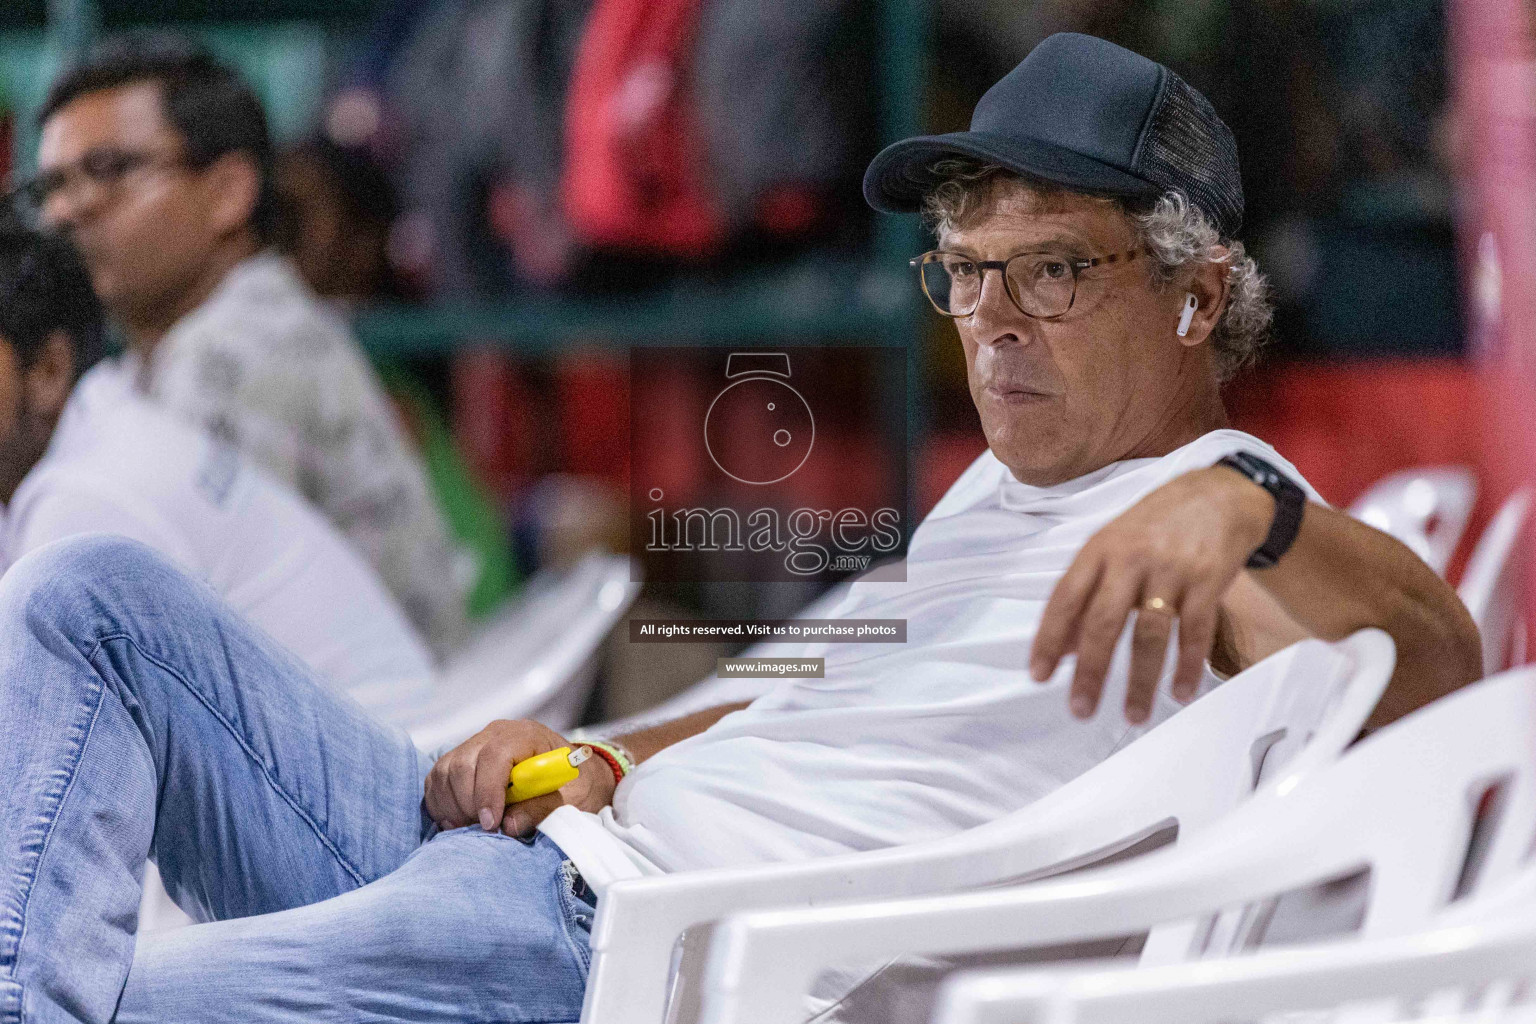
[545, 773]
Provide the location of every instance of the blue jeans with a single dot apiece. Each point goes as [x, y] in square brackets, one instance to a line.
[139, 717]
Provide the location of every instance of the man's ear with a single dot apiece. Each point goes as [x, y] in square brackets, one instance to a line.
[1208, 284]
[233, 185]
[48, 380]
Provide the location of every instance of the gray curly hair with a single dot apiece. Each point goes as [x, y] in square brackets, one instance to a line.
[1170, 228]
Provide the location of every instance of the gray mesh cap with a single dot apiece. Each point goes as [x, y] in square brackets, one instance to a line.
[1089, 116]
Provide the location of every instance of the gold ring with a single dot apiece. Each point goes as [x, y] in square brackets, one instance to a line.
[1156, 604]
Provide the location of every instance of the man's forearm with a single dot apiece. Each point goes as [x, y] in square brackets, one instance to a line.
[648, 742]
[1341, 575]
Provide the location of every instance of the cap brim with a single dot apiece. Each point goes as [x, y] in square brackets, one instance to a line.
[899, 176]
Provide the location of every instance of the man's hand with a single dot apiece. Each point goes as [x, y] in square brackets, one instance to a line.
[1172, 555]
[469, 783]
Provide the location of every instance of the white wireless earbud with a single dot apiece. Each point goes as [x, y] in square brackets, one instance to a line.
[1188, 313]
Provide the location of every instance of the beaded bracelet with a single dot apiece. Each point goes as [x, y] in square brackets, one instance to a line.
[617, 757]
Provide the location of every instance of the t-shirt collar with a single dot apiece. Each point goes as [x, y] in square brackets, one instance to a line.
[1022, 497]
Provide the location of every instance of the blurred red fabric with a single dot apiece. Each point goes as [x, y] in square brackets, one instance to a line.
[635, 167]
[1345, 424]
[493, 419]
[594, 416]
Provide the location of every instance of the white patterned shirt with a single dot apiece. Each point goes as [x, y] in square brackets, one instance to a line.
[263, 365]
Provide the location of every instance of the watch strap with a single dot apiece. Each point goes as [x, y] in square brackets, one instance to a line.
[1290, 506]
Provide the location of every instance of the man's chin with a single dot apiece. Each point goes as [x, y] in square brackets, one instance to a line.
[1034, 459]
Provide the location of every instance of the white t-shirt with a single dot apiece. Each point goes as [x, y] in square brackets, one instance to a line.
[117, 464]
[901, 743]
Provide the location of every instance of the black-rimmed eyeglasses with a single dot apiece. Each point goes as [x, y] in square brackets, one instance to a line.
[103, 168]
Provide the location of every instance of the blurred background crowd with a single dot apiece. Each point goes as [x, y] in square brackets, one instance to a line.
[503, 196]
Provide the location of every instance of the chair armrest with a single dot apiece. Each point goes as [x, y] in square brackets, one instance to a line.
[762, 964]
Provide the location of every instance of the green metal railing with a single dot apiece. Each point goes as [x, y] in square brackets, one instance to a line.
[807, 302]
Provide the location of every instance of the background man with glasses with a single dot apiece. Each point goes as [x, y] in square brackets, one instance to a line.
[155, 161]
[353, 878]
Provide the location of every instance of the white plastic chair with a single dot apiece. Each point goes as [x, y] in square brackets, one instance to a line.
[1492, 587]
[1450, 964]
[1426, 508]
[1466, 945]
[1400, 804]
[536, 659]
[1300, 707]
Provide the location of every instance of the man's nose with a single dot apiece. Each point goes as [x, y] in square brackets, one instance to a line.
[997, 319]
[69, 206]
[59, 214]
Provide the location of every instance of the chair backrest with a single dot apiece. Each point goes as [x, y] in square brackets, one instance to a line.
[1443, 971]
[1290, 713]
[1401, 805]
[530, 660]
[1426, 508]
[1293, 711]
[1492, 587]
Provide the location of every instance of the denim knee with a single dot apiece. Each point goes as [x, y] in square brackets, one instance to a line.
[76, 562]
[84, 588]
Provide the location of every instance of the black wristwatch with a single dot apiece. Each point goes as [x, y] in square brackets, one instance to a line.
[1290, 504]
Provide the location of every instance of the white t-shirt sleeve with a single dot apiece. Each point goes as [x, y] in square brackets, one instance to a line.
[1226, 442]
